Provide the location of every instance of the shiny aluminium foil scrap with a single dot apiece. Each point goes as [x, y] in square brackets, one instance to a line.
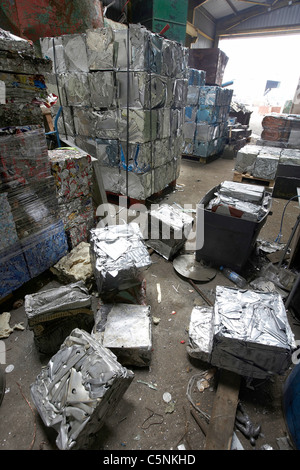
[53, 49]
[252, 335]
[76, 88]
[78, 389]
[144, 51]
[75, 53]
[126, 330]
[103, 89]
[245, 192]
[231, 206]
[10, 42]
[245, 159]
[100, 48]
[201, 333]
[265, 166]
[90, 122]
[142, 90]
[119, 256]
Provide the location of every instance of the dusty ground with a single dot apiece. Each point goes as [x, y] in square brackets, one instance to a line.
[142, 420]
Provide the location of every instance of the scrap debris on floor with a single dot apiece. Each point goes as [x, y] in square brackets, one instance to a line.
[167, 328]
[153, 370]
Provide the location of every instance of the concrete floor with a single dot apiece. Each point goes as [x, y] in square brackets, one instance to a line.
[142, 420]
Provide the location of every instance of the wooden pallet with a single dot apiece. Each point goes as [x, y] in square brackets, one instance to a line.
[113, 198]
[201, 160]
[247, 178]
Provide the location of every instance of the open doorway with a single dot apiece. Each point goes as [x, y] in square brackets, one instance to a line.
[256, 63]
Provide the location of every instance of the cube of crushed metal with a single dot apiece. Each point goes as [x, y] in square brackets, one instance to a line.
[245, 159]
[201, 332]
[252, 336]
[265, 166]
[78, 389]
[126, 330]
[118, 256]
[52, 314]
[75, 54]
[168, 231]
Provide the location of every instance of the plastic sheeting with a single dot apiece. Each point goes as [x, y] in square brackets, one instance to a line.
[79, 389]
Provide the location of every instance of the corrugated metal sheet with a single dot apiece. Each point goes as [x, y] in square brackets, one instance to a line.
[283, 17]
[204, 23]
[220, 9]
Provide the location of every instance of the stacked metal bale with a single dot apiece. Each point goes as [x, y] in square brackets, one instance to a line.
[206, 114]
[33, 236]
[73, 172]
[123, 92]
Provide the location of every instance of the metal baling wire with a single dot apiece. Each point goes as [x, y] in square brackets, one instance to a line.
[127, 117]
[150, 106]
[59, 97]
[278, 238]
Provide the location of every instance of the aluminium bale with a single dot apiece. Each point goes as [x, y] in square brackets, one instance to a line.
[252, 335]
[168, 229]
[201, 333]
[79, 389]
[125, 329]
[119, 256]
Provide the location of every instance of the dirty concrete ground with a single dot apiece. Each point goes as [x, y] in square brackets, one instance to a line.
[142, 420]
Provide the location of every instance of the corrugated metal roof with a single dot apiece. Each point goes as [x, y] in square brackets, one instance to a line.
[221, 8]
[232, 16]
[281, 17]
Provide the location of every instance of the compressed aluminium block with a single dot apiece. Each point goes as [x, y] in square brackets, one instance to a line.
[265, 166]
[102, 88]
[252, 336]
[126, 330]
[246, 157]
[169, 229]
[119, 256]
[100, 48]
[80, 387]
[75, 54]
[201, 333]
